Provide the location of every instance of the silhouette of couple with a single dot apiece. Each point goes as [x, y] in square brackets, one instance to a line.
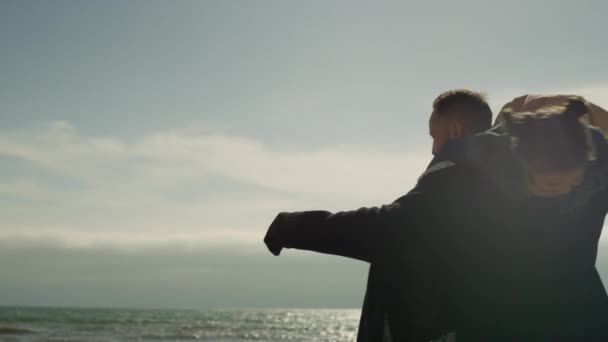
[496, 242]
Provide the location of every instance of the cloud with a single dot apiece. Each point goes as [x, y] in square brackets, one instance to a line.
[181, 186]
[193, 186]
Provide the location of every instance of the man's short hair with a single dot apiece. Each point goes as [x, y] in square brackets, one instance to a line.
[470, 106]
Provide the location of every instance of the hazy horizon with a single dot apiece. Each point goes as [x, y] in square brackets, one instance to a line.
[146, 146]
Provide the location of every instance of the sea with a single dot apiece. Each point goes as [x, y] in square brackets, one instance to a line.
[27, 324]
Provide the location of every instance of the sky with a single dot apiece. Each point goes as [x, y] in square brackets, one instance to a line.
[145, 146]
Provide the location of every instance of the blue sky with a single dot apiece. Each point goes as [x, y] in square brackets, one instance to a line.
[143, 135]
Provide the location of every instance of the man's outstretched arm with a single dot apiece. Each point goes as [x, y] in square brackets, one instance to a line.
[357, 234]
[363, 234]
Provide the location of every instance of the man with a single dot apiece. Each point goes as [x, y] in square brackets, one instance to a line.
[522, 258]
[456, 114]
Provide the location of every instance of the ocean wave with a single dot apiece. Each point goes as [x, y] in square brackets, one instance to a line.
[15, 331]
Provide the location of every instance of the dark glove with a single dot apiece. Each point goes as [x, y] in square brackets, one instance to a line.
[274, 236]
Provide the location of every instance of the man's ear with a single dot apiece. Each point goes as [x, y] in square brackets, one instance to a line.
[456, 130]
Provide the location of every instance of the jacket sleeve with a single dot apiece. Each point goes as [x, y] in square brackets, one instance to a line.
[357, 234]
[361, 234]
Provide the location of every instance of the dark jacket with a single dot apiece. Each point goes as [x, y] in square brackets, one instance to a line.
[394, 238]
[373, 324]
[467, 250]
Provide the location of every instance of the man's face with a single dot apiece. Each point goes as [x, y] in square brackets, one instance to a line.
[443, 129]
[554, 183]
